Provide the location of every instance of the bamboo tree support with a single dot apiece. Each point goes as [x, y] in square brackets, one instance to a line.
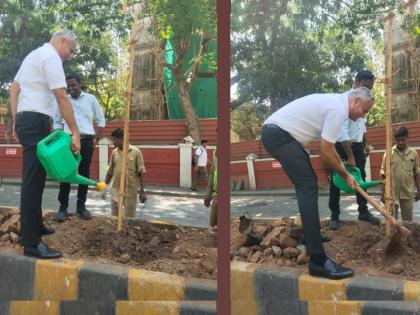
[123, 186]
[388, 85]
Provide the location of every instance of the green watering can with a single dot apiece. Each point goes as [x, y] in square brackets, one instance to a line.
[59, 162]
[355, 172]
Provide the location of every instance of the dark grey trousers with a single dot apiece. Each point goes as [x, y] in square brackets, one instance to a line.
[31, 128]
[86, 151]
[295, 162]
[360, 159]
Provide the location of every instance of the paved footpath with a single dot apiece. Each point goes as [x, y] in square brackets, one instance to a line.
[275, 203]
[175, 205]
[180, 205]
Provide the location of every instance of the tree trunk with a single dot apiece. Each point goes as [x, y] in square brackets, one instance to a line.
[273, 105]
[9, 126]
[192, 121]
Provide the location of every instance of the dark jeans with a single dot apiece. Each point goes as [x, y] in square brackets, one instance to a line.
[31, 127]
[86, 152]
[359, 156]
[295, 162]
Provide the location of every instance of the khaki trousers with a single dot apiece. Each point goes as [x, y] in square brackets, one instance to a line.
[130, 204]
[406, 206]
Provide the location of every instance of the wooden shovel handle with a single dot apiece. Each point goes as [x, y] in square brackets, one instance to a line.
[404, 231]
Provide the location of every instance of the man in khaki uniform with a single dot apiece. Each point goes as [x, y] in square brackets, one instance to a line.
[210, 200]
[405, 172]
[134, 175]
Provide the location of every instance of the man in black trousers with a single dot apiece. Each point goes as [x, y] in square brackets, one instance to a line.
[38, 86]
[285, 134]
[351, 146]
[86, 110]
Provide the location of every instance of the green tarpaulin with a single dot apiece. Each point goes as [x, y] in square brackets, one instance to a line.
[203, 94]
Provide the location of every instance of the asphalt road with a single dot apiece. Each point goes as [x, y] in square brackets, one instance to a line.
[277, 206]
[181, 210]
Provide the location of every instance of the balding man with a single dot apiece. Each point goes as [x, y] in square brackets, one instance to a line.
[285, 134]
[39, 85]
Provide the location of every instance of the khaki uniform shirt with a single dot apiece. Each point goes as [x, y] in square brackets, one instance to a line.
[135, 165]
[404, 167]
[212, 184]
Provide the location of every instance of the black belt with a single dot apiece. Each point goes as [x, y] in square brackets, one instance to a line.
[86, 136]
[271, 126]
[356, 143]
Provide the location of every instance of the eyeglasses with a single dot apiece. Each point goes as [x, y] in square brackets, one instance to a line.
[74, 51]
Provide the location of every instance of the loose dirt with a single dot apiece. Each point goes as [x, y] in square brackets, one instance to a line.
[355, 244]
[175, 249]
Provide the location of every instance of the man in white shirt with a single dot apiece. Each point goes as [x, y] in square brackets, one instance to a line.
[285, 134]
[37, 88]
[351, 146]
[86, 110]
[200, 164]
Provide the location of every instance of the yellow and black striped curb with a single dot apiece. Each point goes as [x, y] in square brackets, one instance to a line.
[255, 288]
[331, 308]
[25, 278]
[106, 308]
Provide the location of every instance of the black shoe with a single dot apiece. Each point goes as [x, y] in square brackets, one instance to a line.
[84, 214]
[46, 230]
[334, 223]
[330, 270]
[61, 215]
[324, 239]
[41, 251]
[193, 189]
[368, 217]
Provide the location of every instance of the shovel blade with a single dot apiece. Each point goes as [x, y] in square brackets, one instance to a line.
[393, 242]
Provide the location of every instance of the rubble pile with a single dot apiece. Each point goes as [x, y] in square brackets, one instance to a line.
[271, 241]
[9, 225]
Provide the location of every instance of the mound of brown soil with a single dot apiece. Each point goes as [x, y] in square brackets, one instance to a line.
[355, 244]
[185, 251]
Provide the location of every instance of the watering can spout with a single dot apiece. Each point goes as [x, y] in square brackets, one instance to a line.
[59, 162]
[81, 180]
[367, 185]
[355, 172]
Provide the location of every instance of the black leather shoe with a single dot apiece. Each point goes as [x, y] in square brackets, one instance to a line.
[84, 214]
[324, 239]
[369, 218]
[330, 270]
[334, 223]
[46, 230]
[41, 251]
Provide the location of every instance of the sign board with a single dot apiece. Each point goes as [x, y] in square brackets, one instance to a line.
[11, 151]
[276, 164]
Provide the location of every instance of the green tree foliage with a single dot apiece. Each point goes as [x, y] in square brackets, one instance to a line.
[247, 120]
[101, 30]
[283, 49]
[178, 20]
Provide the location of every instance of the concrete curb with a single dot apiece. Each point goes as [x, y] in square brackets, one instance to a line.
[107, 308]
[25, 278]
[340, 308]
[258, 289]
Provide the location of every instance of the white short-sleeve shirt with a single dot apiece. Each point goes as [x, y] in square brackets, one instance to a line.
[312, 117]
[201, 152]
[41, 72]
